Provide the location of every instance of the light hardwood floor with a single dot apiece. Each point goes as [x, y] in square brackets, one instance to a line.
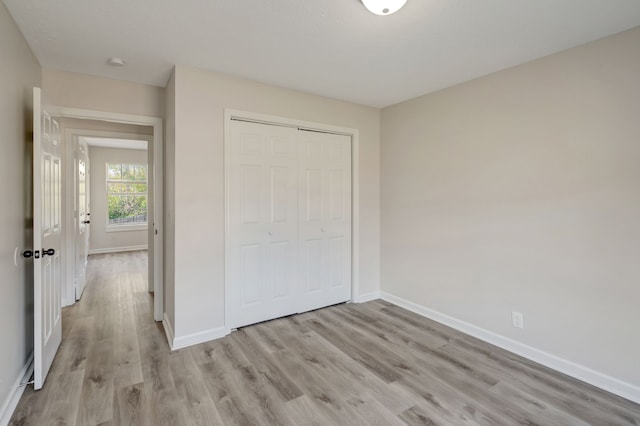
[367, 364]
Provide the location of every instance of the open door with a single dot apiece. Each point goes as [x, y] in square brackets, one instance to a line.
[47, 239]
[82, 214]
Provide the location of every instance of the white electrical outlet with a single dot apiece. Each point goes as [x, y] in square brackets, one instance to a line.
[517, 319]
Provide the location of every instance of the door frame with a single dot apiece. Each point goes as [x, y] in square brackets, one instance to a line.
[69, 135]
[230, 114]
[155, 153]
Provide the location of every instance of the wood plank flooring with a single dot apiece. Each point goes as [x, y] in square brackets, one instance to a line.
[365, 364]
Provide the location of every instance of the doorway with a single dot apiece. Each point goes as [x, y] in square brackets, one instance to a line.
[110, 192]
[105, 122]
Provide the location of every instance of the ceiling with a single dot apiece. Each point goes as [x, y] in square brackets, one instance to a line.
[114, 143]
[334, 48]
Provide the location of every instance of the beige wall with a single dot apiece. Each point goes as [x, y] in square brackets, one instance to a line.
[99, 239]
[519, 191]
[200, 99]
[19, 72]
[73, 90]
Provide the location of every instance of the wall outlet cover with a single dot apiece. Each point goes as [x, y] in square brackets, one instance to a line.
[517, 319]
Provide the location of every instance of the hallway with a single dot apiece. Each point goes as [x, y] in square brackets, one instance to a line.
[100, 351]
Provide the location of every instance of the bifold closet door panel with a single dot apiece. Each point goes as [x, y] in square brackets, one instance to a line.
[262, 233]
[324, 219]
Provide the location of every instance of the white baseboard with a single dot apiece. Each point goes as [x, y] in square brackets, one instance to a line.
[192, 339]
[580, 372]
[168, 330]
[118, 249]
[367, 297]
[10, 404]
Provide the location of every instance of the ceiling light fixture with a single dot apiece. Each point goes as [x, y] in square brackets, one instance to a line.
[383, 7]
[115, 62]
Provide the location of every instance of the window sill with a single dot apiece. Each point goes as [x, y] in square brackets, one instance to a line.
[126, 228]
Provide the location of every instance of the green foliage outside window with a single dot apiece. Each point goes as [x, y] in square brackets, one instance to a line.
[127, 193]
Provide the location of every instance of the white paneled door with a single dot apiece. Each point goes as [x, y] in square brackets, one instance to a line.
[82, 215]
[324, 219]
[288, 221]
[47, 239]
[262, 222]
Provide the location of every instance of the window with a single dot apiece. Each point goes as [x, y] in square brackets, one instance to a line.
[127, 194]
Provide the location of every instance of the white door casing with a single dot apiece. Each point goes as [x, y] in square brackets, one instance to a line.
[288, 221]
[324, 218]
[262, 221]
[47, 238]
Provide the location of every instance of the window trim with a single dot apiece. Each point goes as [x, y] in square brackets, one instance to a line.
[124, 227]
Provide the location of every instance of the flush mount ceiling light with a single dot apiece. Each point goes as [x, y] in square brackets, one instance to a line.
[383, 7]
[115, 62]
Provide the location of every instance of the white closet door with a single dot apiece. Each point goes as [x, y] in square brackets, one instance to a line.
[324, 219]
[262, 234]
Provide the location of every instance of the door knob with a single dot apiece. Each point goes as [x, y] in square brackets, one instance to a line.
[86, 221]
[36, 254]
